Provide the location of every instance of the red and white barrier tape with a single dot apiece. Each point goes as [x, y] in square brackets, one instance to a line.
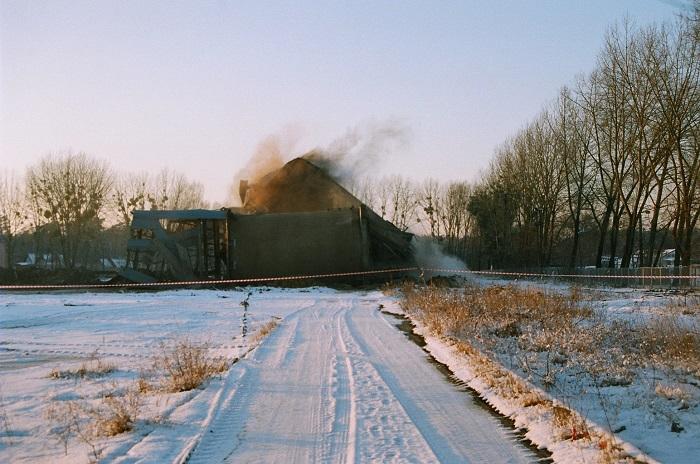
[337, 274]
[582, 276]
[204, 282]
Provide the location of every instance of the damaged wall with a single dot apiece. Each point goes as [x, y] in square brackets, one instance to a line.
[284, 244]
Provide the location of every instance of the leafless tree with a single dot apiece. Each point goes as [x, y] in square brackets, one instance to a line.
[70, 191]
[130, 192]
[13, 215]
[429, 196]
[172, 190]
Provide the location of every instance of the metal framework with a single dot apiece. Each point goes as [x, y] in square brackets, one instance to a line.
[182, 244]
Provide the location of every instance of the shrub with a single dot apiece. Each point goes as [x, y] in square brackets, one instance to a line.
[114, 413]
[186, 365]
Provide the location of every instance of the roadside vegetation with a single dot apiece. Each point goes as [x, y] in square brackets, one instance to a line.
[185, 365]
[94, 366]
[565, 355]
[98, 404]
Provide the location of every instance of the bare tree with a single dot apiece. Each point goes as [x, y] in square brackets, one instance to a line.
[13, 215]
[403, 201]
[429, 196]
[455, 217]
[172, 190]
[70, 191]
[129, 192]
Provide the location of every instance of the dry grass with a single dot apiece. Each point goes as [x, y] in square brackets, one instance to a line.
[114, 413]
[669, 341]
[672, 392]
[570, 424]
[551, 337]
[263, 331]
[687, 304]
[94, 367]
[186, 365]
[143, 385]
[546, 332]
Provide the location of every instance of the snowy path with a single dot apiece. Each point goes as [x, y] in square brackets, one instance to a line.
[337, 382]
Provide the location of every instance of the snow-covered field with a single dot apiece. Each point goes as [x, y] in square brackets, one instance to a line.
[336, 381]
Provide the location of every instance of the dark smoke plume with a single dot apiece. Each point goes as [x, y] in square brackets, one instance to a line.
[360, 149]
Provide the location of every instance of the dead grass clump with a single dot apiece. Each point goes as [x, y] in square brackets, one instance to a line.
[85, 420]
[672, 392]
[94, 367]
[143, 385]
[571, 425]
[263, 331]
[531, 399]
[116, 414]
[668, 341]
[186, 366]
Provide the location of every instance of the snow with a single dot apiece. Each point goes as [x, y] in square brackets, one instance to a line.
[641, 413]
[335, 382]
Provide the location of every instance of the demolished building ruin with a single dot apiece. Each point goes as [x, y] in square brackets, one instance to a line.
[294, 221]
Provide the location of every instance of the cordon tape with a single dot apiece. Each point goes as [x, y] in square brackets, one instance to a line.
[338, 274]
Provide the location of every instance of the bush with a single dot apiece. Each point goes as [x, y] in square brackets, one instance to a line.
[186, 365]
[113, 414]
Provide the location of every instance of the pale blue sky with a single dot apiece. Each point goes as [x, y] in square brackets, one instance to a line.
[196, 85]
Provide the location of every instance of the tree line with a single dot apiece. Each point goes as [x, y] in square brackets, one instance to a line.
[616, 155]
[74, 209]
[606, 174]
[613, 161]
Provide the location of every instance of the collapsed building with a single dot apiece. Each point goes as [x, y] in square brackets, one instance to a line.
[294, 221]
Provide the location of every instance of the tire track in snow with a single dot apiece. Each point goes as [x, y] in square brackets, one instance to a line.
[277, 412]
[455, 429]
[344, 431]
[386, 432]
[337, 383]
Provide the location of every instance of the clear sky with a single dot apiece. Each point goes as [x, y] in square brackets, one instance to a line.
[196, 85]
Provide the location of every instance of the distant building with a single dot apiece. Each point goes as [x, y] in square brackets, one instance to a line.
[605, 261]
[668, 258]
[41, 261]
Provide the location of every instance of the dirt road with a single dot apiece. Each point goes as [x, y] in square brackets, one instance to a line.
[338, 382]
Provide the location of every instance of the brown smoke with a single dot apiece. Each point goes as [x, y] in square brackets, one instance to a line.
[360, 149]
[270, 154]
[348, 157]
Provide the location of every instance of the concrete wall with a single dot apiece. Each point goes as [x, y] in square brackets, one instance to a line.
[285, 244]
[4, 258]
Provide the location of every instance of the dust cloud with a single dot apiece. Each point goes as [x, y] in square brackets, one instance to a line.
[429, 255]
[361, 149]
[270, 154]
[354, 154]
